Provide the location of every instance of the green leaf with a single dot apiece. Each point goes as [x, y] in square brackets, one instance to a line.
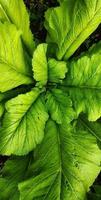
[13, 172]
[87, 101]
[57, 70]
[14, 11]
[94, 128]
[71, 23]
[47, 70]
[59, 106]
[66, 164]
[14, 70]
[40, 67]
[83, 83]
[86, 70]
[4, 97]
[23, 124]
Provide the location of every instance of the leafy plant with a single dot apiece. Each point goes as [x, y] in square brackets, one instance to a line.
[50, 103]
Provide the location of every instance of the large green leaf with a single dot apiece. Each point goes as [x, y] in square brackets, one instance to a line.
[66, 164]
[15, 12]
[13, 172]
[14, 70]
[83, 83]
[71, 23]
[23, 124]
[47, 70]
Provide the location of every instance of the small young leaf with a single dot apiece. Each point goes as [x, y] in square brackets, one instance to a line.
[40, 66]
[47, 70]
[59, 106]
[57, 70]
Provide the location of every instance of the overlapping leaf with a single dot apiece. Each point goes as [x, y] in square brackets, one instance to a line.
[47, 70]
[59, 105]
[60, 169]
[67, 162]
[14, 11]
[23, 124]
[14, 70]
[84, 83]
[71, 23]
[13, 172]
[57, 70]
[4, 97]
[94, 127]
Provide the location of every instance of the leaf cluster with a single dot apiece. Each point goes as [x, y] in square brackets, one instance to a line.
[50, 103]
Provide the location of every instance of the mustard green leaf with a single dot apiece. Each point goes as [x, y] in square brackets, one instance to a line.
[47, 70]
[14, 70]
[23, 124]
[40, 66]
[14, 11]
[86, 70]
[87, 101]
[66, 164]
[83, 83]
[56, 70]
[5, 96]
[59, 105]
[94, 127]
[71, 23]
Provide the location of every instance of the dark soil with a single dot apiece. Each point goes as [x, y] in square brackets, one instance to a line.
[37, 9]
[2, 161]
[93, 38]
